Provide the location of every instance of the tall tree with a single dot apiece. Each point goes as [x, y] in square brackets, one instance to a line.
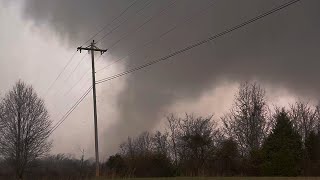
[196, 143]
[312, 146]
[227, 158]
[317, 114]
[304, 118]
[312, 155]
[145, 156]
[247, 121]
[173, 127]
[160, 143]
[25, 127]
[116, 166]
[282, 149]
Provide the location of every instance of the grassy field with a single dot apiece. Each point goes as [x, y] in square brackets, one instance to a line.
[225, 178]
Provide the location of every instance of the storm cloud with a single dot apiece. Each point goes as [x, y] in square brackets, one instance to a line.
[281, 50]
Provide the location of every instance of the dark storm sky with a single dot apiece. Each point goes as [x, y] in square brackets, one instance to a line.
[281, 49]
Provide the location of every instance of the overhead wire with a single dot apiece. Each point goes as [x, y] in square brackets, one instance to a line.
[60, 73]
[134, 2]
[159, 37]
[101, 30]
[104, 27]
[115, 28]
[97, 33]
[74, 69]
[143, 24]
[75, 84]
[276, 9]
[66, 115]
[83, 75]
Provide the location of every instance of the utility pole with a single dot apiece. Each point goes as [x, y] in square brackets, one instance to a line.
[91, 49]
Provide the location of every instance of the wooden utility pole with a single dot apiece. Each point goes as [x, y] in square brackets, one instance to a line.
[91, 49]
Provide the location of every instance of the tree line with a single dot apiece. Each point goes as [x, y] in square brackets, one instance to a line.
[252, 139]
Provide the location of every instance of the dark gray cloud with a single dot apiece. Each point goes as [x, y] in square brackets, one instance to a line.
[282, 49]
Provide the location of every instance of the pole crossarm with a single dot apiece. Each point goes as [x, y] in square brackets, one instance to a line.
[92, 47]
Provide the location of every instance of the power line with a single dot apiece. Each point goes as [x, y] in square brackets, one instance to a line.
[86, 93]
[104, 27]
[76, 67]
[115, 28]
[125, 10]
[84, 84]
[67, 92]
[278, 8]
[83, 75]
[66, 115]
[75, 84]
[162, 35]
[64, 68]
[143, 24]
[78, 102]
[81, 88]
[103, 37]
[69, 111]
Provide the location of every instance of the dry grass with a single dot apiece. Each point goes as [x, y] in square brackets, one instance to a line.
[224, 178]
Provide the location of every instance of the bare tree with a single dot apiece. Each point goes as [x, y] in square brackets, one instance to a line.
[25, 127]
[173, 124]
[128, 148]
[304, 118]
[143, 143]
[196, 142]
[81, 163]
[317, 111]
[137, 146]
[247, 121]
[160, 143]
[146, 154]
